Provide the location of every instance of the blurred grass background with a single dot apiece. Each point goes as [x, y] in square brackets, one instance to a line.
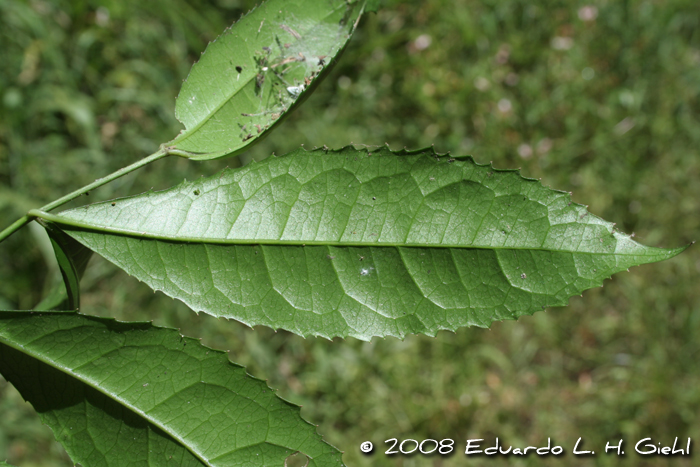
[600, 98]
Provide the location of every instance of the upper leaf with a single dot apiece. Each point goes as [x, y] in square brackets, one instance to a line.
[119, 394]
[256, 71]
[360, 243]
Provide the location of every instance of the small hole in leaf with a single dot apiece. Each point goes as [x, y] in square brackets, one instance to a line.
[196, 192]
[297, 459]
[239, 69]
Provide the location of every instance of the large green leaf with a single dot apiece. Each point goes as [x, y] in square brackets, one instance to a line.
[360, 243]
[133, 394]
[252, 75]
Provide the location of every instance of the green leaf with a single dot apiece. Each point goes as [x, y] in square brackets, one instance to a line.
[252, 75]
[72, 259]
[360, 243]
[5, 464]
[119, 394]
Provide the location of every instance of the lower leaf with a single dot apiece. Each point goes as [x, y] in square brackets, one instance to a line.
[119, 394]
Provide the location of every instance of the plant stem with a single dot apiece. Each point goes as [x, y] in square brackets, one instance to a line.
[26, 219]
[16, 225]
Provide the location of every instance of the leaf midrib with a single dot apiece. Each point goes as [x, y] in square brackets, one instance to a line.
[339, 244]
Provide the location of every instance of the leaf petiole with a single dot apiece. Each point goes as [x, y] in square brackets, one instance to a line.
[27, 218]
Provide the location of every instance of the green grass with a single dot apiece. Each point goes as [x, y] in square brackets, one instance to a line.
[607, 108]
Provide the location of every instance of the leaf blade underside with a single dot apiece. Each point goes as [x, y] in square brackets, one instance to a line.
[134, 394]
[251, 76]
[360, 243]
